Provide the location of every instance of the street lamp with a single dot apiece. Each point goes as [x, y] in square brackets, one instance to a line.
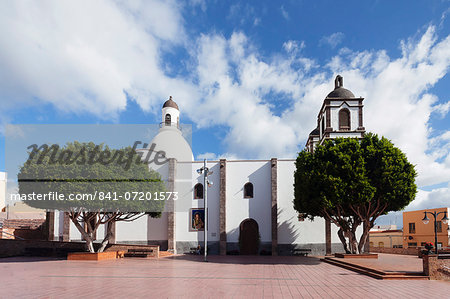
[206, 183]
[426, 221]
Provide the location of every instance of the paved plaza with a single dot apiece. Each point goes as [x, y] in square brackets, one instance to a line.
[190, 277]
[391, 263]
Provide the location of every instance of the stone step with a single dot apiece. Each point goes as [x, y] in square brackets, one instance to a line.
[165, 253]
[378, 274]
[137, 254]
[141, 250]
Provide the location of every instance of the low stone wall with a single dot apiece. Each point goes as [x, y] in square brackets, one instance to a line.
[31, 229]
[317, 249]
[435, 267]
[23, 223]
[403, 251]
[38, 248]
[125, 247]
[59, 249]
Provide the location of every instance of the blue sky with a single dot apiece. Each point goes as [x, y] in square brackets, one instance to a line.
[249, 76]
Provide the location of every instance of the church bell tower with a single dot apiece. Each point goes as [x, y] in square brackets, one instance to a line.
[170, 114]
[341, 115]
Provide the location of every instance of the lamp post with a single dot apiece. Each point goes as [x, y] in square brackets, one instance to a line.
[206, 183]
[435, 215]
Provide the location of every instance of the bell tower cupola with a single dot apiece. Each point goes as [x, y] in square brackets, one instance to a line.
[170, 114]
[341, 115]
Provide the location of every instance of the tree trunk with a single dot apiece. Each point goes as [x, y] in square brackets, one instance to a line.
[343, 240]
[353, 242]
[90, 245]
[86, 236]
[364, 236]
[107, 237]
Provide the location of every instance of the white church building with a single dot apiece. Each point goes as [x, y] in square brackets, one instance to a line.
[250, 204]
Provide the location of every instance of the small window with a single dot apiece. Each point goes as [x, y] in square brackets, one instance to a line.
[439, 226]
[248, 190]
[344, 120]
[412, 228]
[168, 119]
[198, 191]
[380, 244]
[412, 245]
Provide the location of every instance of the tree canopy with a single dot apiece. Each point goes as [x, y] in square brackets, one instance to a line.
[352, 182]
[94, 184]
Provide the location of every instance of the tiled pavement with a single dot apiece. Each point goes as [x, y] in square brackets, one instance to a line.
[391, 262]
[189, 276]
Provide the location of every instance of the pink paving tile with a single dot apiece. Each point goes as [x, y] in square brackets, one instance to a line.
[182, 277]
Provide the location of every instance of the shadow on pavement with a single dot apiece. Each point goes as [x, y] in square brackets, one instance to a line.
[249, 259]
[27, 259]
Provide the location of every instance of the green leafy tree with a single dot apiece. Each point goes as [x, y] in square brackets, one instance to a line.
[106, 185]
[352, 182]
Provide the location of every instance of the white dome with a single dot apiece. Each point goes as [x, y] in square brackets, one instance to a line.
[171, 141]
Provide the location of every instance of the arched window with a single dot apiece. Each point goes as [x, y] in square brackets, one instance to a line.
[248, 190]
[344, 120]
[198, 191]
[168, 119]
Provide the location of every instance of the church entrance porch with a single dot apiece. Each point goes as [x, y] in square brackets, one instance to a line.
[249, 237]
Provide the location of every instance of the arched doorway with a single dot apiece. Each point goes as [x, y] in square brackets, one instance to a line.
[249, 237]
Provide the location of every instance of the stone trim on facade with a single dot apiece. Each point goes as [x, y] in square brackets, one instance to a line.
[66, 228]
[360, 117]
[112, 239]
[274, 211]
[50, 225]
[327, 237]
[327, 119]
[171, 240]
[223, 207]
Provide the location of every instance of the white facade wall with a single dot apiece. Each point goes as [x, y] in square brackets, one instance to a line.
[290, 230]
[186, 202]
[74, 234]
[239, 208]
[132, 231]
[156, 228]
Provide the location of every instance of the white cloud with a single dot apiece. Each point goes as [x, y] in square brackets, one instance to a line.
[240, 14]
[84, 61]
[207, 155]
[284, 12]
[82, 57]
[442, 109]
[293, 46]
[199, 3]
[332, 40]
[235, 80]
[437, 198]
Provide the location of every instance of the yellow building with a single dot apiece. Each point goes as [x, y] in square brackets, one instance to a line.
[416, 233]
[392, 238]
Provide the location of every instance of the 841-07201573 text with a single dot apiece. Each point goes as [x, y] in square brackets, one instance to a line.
[130, 195]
